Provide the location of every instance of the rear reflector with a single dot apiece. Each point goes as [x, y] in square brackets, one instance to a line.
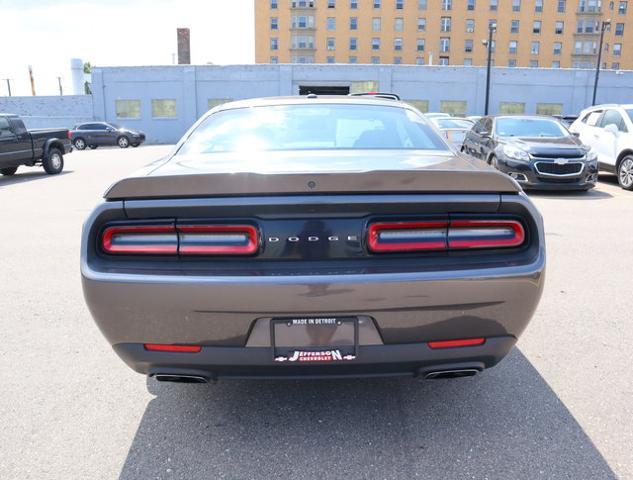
[444, 235]
[218, 239]
[407, 236]
[467, 342]
[155, 347]
[144, 239]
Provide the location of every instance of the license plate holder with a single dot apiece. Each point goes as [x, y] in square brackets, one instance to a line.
[314, 339]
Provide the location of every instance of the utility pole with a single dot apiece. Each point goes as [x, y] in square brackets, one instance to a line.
[8, 80]
[605, 24]
[491, 29]
[59, 82]
[32, 80]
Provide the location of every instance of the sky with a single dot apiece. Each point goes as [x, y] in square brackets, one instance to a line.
[48, 33]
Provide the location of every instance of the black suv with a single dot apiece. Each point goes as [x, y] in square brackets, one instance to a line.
[537, 151]
[95, 134]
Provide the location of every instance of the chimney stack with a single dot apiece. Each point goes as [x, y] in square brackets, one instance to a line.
[184, 46]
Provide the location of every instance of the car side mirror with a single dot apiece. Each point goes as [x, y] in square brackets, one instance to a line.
[611, 128]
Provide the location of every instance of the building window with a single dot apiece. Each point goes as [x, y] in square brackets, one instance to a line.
[494, 5]
[274, 59]
[353, 4]
[447, 4]
[516, 5]
[470, 5]
[556, 64]
[619, 29]
[331, 43]
[533, 63]
[331, 23]
[559, 27]
[397, 44]
[273, 4]
[514, 26]
[444, 61]
[274, 43]
[397, 60]
[536, 46]
[399, 4]
[330, 59]
[422, 4]
[513, 46]
[470, 25]
[511, 108]
[561, 7]
[468, 62]
[512, 62]
[421, 105]
[331, 3]
[558, 48]
[622, 7]
[375, 43]
[549, 109]
[303, 21]
[398, 24]
[419, 60]
[536, 27]
[128, 108]
[375, 60]
[164, 108]
[615, 66]
[617, 49]
[377, 4]
[421, 24]
[420, 44]
[274, 25]
[538, 6]
[445, 44]
[454, 107]
[445, 24]
[589, 5]
[376, 24]
[353, 23]
[353, 59]
[353, 43]
[468, 46]
[302, 41]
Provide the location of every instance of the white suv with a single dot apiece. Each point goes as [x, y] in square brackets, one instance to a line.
[608, 129]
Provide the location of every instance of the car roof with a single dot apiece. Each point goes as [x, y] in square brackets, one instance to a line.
[312, 99]
[8, 115]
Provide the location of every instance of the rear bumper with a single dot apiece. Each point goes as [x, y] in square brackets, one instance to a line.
[372, 360]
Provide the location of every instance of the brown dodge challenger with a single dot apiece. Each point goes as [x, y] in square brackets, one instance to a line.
[313, 237]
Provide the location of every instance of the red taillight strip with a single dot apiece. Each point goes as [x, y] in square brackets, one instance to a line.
[478, 228]
[375, 229]
[158, 347]
[137, 230]
[189, 232]
[466, 342]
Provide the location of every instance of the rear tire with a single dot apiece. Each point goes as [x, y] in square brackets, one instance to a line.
[79, 143]
[8, 171]
[123, 142]
[53, 163]
[625, 173]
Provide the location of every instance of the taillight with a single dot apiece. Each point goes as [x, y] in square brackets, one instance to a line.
[68, 134]
[461, 234]
[218, 239]
[170, 239]
[465, 342]
[407, 236]
[140, 239]
[159, 347]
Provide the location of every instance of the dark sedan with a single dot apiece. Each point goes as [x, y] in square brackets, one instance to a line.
[96, 134]
[538, 152]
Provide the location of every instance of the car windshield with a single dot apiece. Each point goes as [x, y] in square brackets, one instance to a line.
[529, 127]
[453, 123]
[312, 127]
[114, 125]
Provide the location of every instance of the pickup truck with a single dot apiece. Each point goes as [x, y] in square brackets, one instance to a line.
[19, 146]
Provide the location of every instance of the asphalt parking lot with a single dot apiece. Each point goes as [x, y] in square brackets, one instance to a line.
[560, 406]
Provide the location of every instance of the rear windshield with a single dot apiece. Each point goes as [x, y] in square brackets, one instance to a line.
[529, 127]
[312, 127]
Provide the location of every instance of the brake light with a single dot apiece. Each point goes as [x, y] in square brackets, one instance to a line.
[144, 239]
[465, 342]
[69, 135]
[156, 347]
[413, 236]
[218, 239]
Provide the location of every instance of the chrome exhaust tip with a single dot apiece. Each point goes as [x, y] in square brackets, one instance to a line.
[443, 374]
[176, 378]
